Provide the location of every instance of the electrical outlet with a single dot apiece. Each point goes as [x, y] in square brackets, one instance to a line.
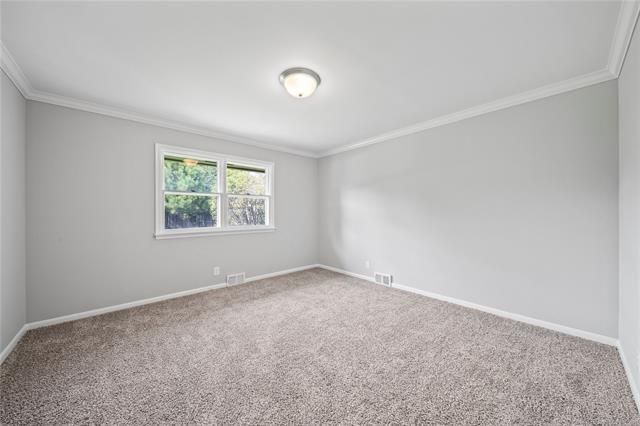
[216, 270]
[367, 264]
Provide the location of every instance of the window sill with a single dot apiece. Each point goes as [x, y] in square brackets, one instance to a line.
[164, 235]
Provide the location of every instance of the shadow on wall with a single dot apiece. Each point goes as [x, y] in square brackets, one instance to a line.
[468, 230]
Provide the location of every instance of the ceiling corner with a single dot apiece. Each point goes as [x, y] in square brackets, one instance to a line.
[14, 72]
[627, 19]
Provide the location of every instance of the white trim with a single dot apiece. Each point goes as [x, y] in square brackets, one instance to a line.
[516, 317]
[12, 344]
[284, 272]
[345, 272]
[510, 101]
[14, 72]
[17, 76]
[627, 18]
[221, 160]
[627, 370]
[100, 311]
[118, 112]
[114, 308]
[195, 233]
[86, 314]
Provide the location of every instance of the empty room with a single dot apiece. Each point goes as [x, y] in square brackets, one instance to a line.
[321, 212]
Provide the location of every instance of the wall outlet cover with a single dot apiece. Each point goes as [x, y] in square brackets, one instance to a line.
[216, 270]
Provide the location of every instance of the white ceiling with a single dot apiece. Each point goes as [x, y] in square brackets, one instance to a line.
[384, 66]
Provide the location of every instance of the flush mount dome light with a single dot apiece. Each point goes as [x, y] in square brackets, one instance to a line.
[300, 82]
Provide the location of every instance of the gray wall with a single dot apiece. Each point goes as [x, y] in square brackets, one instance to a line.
[12, 211]
[90, 217]
[515, 210]
[629, 110]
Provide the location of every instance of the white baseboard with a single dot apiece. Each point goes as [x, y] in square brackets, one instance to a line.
[12, 344]
[344, 272]
[612, 341]
[278, 273]
[107, 309]
[113, 308]
[100, 311]
[632, 383]
[556, 327]
[545, 324]
[517, 317]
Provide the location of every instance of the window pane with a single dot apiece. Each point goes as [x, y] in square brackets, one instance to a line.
[190, 211]
[247, 211]
[189, 175]
[246, 180]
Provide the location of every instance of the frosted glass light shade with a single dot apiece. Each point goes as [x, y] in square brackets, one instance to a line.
[300, 82]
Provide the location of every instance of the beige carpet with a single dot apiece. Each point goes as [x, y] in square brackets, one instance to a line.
[310, 347]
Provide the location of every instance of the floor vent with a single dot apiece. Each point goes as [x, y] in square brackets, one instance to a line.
[234, 279]
[384, 279]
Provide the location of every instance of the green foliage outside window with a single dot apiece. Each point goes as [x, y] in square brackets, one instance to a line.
[201, 177]
[182, 176]
[246, 180]
[190, 211]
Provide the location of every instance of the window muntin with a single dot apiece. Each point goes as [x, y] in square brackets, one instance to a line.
[203, 193]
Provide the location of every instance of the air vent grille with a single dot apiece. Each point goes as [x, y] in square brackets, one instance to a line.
[234, 279]
[384, 279]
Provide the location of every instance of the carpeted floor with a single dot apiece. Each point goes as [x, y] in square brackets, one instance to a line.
[310, 347]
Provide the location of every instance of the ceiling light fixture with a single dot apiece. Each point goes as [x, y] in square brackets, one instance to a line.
[300, 82]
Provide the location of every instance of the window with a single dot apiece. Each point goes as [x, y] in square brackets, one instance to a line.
[246, 192]
[201, 193]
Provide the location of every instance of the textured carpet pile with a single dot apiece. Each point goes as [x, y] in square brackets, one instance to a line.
[309, 348]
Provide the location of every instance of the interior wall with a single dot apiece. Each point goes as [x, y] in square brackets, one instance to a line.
[12, 211]
[515, 210]
[629, 112]
[90, 216]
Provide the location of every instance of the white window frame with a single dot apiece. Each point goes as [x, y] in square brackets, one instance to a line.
[221, 159]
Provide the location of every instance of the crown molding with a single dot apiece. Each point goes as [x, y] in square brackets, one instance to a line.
[627, 18]
[510, 101]
[14, 72]
[68, 102]
[19, 79]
